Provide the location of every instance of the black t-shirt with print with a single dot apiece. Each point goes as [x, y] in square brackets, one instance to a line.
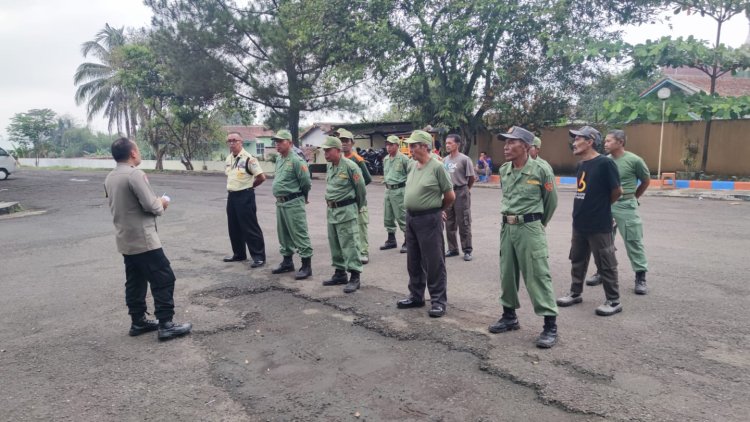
[596, 178]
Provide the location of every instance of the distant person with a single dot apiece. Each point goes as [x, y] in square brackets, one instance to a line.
[395, 169]
[363, 218]
[598, 188]
[243, 176]
[484, 167]
[635, 179]
[536, 146]
[134, 210]
[458, 220]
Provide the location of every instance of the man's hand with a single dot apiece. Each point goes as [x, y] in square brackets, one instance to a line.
[444, 215]
[164, 202]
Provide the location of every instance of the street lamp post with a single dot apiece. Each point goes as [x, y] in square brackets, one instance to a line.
[663, 94]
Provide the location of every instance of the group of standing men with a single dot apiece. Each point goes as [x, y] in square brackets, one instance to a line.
[422, 193]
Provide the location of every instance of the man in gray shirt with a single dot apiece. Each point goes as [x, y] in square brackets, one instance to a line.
[134, 210]
[461, 170]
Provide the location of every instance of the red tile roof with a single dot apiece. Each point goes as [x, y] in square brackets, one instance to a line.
[727, 85]
[249, 133]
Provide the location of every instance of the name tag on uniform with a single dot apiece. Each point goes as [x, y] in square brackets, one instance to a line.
[533, 182]
[343, 176]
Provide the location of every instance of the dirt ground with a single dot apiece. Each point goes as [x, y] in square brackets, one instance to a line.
[269, 348]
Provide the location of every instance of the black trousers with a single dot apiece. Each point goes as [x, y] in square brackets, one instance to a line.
[152, 268]
[602, 246]
[243, 225]
[425, 257]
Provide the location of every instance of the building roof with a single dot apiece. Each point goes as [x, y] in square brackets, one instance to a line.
[250, 133]
[366, 129]
[691, 81]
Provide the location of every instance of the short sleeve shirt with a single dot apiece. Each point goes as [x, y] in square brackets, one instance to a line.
[425, 186]
[459, 169]
[632, 168]
[596, 178]
[241, 171]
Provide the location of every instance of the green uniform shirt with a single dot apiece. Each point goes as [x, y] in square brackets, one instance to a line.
[395, 169]
[360, 162]
[530, 189]
[344, 181]
[425, 186]
[544, 162]
[632, 168]
[291, 176]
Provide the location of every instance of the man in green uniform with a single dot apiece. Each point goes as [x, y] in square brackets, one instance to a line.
[345, 194]
[363, 218]
[632, 170]
[529, 201]
[428, 194]
[536, 146]
[291, 185]
[395, 169]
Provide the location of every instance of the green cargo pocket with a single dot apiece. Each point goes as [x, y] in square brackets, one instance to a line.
[633, 231]
[540, 254]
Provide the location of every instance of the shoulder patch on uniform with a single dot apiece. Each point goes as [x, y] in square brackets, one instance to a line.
[533, 182]
[548, 186]
[304, 167]
[356, 177]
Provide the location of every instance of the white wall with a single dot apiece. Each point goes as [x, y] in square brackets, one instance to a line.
[267, 166]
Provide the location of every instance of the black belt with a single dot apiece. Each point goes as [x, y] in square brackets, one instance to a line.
[423, 212]
[519, 219]
[456, 187]
[289, 197]
[240, 191]
[345, 202]
[626, 196]
[396, 186]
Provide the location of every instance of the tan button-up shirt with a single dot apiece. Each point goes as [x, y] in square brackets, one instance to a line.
[241, 171]
[134, 209]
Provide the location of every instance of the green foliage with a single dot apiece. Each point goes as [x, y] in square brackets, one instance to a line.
[32, 130]
[610, 88]
[679, 107]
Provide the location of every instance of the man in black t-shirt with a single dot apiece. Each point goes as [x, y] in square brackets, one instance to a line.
[598, 188]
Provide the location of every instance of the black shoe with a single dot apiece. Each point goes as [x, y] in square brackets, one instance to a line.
[451, 253]
[505, 323]
[306, 270]
[339, 277]
[640, 283]
[436, 311]
[234, 258]
[286, 266]
[403, 248]
[594, 280]
[409, 302]
[390, 243]
[547, 338]
[170, 330]
[143, 326]
[353, 284]
[259, 263]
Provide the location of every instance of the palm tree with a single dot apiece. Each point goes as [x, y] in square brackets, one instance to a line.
[98, 83]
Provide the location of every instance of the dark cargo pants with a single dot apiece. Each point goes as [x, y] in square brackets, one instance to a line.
[425, 256]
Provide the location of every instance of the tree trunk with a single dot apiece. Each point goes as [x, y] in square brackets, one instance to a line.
[160, 159]
[707, 134]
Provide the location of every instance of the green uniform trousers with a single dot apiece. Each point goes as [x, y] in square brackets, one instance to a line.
[343, 239]
[394, 211]
[291, 227]
[524, 249]
[625, 213]
[363, 219]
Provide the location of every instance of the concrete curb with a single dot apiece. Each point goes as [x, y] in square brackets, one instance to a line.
[9, 207]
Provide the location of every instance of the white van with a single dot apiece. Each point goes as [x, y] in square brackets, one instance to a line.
[7, 164]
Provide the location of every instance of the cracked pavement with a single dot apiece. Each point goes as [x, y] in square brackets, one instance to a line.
[268, 347]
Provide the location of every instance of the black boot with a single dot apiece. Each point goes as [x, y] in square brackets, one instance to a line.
[142, 325]
[287, 265]
[640, 283]
[548, 338]
[169, 329]
[339, 277]
[403, 248]
[306, 269]
[353, 284]
[390, 243]
[508, 322]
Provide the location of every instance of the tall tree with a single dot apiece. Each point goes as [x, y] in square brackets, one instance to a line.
[714, 61]
[288, 56]
[99, 85]
[33, 130]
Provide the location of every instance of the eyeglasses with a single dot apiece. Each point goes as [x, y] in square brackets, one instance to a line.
[233, 141]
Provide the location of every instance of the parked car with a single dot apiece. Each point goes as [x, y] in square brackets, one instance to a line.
[7, 164]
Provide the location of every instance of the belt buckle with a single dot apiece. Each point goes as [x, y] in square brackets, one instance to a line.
[511, 219]
[331, 204]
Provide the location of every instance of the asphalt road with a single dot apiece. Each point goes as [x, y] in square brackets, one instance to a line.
[271, 348]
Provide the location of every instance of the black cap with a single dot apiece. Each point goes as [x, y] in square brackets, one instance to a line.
[587, 132]
[517, 132]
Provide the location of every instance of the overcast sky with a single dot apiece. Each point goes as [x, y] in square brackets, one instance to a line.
[40, 48]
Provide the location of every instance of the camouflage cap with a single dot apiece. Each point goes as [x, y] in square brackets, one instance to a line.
[419, 137]
[282, 135]
[537, 142]
[393, 139]
[587, 132]
[331, 142]
[343, 133]
[517, 132]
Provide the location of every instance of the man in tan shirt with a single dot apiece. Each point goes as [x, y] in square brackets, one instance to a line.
[134, 210]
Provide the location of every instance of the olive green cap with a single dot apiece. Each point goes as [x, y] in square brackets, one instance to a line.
[419, 137]
[331, 142]
[393, 139]
[282, 135]
[537, 142]
[343, 133]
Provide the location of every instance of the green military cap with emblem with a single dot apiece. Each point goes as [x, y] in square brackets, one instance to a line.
[393, 139]
[343, 133]
[331, 142]
[282, 135]
[420, 137]
[537, 142]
